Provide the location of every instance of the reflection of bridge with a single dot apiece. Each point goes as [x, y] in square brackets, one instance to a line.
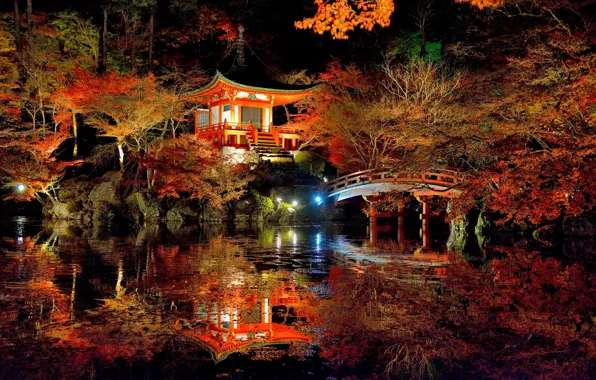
[371, 183]
[376, 181]
[423, 265]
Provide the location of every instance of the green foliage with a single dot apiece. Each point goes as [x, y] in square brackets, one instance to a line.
[262, 204]
[79, 38]
[409, 46]
[310, 163]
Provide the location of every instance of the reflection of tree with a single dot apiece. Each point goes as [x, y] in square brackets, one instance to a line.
[520, 314]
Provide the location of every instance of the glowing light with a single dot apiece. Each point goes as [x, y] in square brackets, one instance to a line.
[278, 199]
[324, 179]
[318, 199]
[21, 187]
[294, 203]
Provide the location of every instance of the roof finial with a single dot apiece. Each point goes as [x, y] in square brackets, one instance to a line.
[240, 47]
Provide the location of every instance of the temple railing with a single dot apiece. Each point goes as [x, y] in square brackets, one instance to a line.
[275, 133]
[441, 177]
[222, 127]
[253, 134]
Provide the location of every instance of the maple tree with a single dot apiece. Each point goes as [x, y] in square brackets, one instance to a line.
[341, 16]
[191, 166]
[10, 111]
[127, 108]
[366, 120]
[31, 161]
[530, 140]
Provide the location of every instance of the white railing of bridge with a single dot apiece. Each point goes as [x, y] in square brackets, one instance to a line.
[447, 178]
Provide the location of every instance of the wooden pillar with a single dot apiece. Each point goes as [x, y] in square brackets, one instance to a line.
[196, 123]
[210, 115]
[265, 316]
[221, 103]
[400, 222]
[374, 231]
[424, 231]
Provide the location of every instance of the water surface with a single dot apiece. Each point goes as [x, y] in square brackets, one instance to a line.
[300, 302]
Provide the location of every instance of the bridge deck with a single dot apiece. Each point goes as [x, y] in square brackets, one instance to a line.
[376, 181]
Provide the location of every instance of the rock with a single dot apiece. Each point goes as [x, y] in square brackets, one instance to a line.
[75, 190]
[114, 176]
[174, 226]
[103, 214]
[60, 210]
[174, 215]
[243, 207]
[63, 211]
[282, 216]
[481, 230]
[242, 219]
[211, 214]
[147, 207]
[458, 235]
[181, 211]
[104, 192]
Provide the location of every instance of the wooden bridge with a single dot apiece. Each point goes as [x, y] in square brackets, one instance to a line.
[376, 181]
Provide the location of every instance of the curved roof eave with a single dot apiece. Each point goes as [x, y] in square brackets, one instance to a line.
[220, 77]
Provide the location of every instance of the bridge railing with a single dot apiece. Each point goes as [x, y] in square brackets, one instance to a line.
[443, 177]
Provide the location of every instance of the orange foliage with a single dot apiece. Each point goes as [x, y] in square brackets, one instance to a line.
[31, 161]
[341, 16]
[481, 4]
[187, 165]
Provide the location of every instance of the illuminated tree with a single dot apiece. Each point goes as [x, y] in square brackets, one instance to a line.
[30, 161]
[194, 167]
[368, 120]
[341, 16]
[127, 108]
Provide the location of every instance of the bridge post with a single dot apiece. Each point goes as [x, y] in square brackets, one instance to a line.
[400, 222]
[374, 231]
[425, 231]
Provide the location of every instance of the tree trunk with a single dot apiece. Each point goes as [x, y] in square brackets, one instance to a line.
[151, 29]
[133, 55]
[19, 40]
[75, 149]
[30, 30]
[104, 37]
[121, 156]
[423, 41]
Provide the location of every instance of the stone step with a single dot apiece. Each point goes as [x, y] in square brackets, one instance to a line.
[267, 149]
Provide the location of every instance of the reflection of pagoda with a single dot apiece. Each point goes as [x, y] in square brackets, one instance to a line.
[226, 331]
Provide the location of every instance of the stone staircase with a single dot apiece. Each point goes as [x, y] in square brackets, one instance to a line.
[269, 151]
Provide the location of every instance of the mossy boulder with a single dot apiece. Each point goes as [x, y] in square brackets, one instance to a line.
[105, 192]
[62, 211]
[214, 215]
[142, 208]
[458, 236]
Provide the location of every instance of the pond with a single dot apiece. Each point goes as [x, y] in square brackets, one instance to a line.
[288, 302]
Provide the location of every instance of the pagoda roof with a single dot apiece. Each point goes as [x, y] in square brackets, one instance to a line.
[279, 334]
[243, 81]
